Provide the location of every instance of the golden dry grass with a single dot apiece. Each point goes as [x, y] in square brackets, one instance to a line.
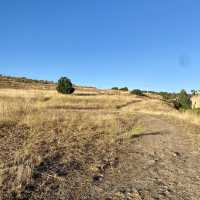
[196, 101]
[44, 134]
[26, 105]
[36, 107]
[42, 124]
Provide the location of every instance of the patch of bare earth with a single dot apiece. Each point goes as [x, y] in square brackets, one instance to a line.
[163, 162]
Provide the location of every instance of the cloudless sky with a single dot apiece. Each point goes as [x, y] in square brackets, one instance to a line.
[146, 44]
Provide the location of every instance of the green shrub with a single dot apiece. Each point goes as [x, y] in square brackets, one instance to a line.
[124, 89]
[168, 95]
[65, 86]
[115, 88]
[183, 101]
[137, 92]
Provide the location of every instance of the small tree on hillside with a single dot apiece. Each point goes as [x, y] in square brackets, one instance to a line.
[124, 89]
[65, 86]
[183, 100]
[137, 92]
[114, 88]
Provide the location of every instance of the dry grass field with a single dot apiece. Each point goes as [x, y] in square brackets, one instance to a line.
[96, 144]
[196, 101]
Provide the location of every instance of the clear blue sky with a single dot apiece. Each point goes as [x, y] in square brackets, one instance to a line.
[143, 44]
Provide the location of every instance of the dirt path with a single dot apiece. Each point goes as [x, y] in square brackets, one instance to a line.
[161, 163]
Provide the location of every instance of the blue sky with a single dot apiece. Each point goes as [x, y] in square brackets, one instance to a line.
[146, 44]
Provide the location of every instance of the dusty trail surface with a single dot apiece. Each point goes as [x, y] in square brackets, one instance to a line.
[163, 162]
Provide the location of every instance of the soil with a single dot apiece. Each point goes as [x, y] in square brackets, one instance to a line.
[160, 163]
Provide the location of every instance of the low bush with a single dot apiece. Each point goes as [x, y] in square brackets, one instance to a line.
[115, 88]
[124, 89]
[168, 95]
[137, 92]
[183, 101]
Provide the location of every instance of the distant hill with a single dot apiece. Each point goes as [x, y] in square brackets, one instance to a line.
[25, 83]
[10, 82]
[7, 82]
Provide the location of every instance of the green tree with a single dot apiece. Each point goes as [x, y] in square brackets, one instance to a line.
[115, 88]
[124, 89]
[137, 92]
[65, 86]
[183, 100]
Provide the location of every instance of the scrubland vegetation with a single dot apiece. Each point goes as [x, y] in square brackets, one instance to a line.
[87, 145]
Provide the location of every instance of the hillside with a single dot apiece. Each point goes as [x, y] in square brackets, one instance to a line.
[24, 83]
[95, 145]
[9, 82]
